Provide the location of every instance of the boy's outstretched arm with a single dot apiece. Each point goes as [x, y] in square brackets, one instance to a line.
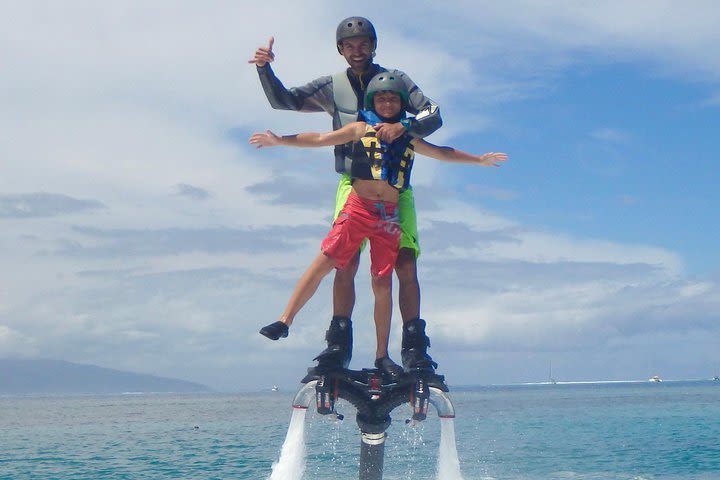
[449, 154]
[349, 133]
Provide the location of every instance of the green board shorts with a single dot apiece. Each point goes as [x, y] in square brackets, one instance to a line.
[406, 209]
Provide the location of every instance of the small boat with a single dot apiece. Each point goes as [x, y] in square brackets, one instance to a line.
[655, 379]
[551, 379]
[274, 388]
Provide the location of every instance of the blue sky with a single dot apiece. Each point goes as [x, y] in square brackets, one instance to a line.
[139, 231]
[617, 152]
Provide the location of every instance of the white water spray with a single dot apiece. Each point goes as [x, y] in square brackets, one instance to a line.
[291, 465]
[448, 466]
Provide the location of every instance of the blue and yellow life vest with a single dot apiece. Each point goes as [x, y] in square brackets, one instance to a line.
[374, 159]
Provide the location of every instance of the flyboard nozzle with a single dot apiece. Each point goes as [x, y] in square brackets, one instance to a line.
[325, 396]
[420, 399]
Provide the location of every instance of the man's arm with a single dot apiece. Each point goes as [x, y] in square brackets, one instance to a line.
[426, 116]
[316, 96]
[427, 113]
[449, 154]
[349, 133]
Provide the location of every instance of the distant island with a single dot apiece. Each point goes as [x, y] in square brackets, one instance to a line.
[50, 377]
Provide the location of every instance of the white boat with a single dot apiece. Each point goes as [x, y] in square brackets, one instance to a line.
[274, 388]
[551, 379]
[655, 379]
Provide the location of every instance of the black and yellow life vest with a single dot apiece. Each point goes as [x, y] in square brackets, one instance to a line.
[375, 160]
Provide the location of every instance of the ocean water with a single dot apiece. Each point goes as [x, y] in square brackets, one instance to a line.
[668, 430]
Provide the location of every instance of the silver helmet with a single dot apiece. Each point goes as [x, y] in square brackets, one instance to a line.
[355, 27]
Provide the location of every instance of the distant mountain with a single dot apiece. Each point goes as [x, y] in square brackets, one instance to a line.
[22, 377]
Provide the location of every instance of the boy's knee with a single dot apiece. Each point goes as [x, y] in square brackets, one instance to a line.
[381, 283]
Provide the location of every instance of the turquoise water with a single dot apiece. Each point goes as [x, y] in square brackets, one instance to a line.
[669, 430]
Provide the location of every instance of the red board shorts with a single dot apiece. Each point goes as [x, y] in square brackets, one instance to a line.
[363, 218]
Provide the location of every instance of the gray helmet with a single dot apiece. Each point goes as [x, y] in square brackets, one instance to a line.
[390, 81]
[355, 27]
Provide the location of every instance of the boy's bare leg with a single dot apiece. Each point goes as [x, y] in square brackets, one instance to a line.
[304, 290]
[307, 286]
[344, 289]
[382, 290]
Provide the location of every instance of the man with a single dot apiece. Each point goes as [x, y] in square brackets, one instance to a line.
[342, 96]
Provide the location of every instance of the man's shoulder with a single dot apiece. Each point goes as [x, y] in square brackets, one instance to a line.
[342, 77]
[324, 79]
[337, 74]
[320, 84]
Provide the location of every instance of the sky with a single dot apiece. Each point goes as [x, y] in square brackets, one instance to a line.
[140, 231]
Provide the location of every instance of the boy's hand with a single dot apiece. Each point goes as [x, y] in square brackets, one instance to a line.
[264, 55]
[491, 159]
[389, 132]
[267, 139]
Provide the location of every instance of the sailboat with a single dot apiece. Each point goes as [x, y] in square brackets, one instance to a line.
[551, 380]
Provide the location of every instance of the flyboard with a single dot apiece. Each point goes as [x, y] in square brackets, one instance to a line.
[374, 396]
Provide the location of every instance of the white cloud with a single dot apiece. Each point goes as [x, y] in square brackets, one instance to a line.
[15, 344]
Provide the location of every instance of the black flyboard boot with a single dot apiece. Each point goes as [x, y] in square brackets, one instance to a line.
[414, 347]
[339, 344]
